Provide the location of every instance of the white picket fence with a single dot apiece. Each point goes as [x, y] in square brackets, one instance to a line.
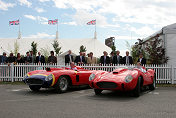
[11, 73]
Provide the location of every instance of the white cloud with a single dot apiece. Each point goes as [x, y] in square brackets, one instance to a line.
[44, 0]
[143, 31]
[4, 6]
[70, 23]
[39, 10]
[30, 17]
[125, 37]
[77, 4]
[41, 20]
[40, 35]
[25, 2]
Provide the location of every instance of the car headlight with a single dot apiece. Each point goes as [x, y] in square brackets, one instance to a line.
[49, 77]
[128, 78]
[91, 77]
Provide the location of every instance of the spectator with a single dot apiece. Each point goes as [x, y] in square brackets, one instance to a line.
[141, 59]
[105, 58]
[40, 58]
[3, 58]
[127, 59]
[112, 56]
[117, 58]
[11, 58]
[32, 56]
[68, 57]
[28, 58]
[19, 58]
[52, 59]
[91, 59]
[80, 59]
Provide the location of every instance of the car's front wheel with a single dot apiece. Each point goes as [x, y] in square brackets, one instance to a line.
[62, 84]
[137, 89]
[153, 86]
[34, 88]
[97, 91]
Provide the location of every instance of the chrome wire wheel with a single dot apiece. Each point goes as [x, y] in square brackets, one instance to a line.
[63, 83]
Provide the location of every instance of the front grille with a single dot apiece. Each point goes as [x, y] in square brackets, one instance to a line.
[106, 85]
[34, 81]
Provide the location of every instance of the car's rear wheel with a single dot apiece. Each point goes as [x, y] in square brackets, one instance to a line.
[34, 88]
[137, 89]
[153, 86]
[97, 91]
[62, 84]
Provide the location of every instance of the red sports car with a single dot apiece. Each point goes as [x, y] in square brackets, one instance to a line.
[58, 78]
[123, 79]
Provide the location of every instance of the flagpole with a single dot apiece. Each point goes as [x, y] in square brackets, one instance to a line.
[57, 30]
[95, 34]
[19, 33]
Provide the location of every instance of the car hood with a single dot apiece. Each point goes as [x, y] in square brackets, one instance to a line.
[40, 72]
[117, 76]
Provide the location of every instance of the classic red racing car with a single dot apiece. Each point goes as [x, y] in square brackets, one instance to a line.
[58, 78]
[123, 79]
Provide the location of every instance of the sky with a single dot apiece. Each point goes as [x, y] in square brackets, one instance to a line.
[126, 20]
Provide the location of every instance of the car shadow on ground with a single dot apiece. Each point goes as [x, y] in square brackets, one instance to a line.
[117, 95]
[51, 91]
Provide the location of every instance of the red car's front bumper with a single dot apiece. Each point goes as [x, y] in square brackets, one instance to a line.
[119, 86]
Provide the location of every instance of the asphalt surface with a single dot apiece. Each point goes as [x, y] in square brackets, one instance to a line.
[18, 101]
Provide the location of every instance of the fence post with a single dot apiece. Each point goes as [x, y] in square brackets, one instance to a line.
[172, 74]
[12, 72]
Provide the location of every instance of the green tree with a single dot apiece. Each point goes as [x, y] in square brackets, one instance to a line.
[34, 48]
[113, 49]
[156, 51]
[56, 47]
[16, 47]
[82, 48]
[45, 51]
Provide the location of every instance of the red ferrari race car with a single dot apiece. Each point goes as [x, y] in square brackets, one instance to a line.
[59, 78]
[123, 79]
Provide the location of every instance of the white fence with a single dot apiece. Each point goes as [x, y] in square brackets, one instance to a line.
[11, 73]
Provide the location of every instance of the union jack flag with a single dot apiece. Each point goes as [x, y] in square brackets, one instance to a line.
[92, 22]
[17, 22]
[52, 22]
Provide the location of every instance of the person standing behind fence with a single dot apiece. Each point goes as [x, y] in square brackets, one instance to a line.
[40, 58]
[111, 57]
[28, 58]
[91, 59]
[52, 59]
[117, 58]
[105, 58]
[11, 58]
[19, 58]
[3, 58]
[141, 59]
[80, 59]
[68, 57]
[32, 56]
[127, 59]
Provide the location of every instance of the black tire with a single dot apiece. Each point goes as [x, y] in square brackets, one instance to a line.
[137, 89]
[153, 86]
[97, 91]
[35, 88]
[62, 84]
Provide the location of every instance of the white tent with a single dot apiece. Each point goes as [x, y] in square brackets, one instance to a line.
[92, 45]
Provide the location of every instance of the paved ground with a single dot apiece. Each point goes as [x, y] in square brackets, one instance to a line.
[17, 101]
